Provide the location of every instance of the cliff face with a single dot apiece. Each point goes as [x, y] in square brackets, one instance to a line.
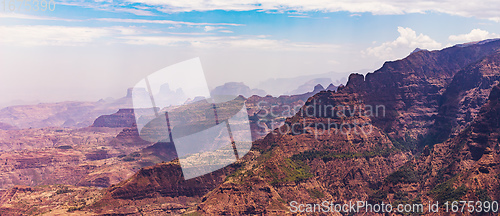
[464, 96]
[267, 113]
[357, 143]
[122, 118]
[412, 88]
[315, 156]
[465, 167]
[417, 93]
[163, 180]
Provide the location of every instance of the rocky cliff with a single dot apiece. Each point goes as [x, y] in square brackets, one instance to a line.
[417, 93]
[465, 167]
[313, 157]
[412, 89]
[374, 139]
[123, 118]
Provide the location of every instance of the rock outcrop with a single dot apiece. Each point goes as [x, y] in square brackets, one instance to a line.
[314, 156]
[122, 118]
[414, 93]
[465, 167]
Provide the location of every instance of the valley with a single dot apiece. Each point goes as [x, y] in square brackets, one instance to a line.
[436, 139]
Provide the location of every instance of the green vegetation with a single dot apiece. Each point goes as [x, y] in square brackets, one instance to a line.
[405, 174]
[131, 157]
[445, 171]
[127, 159]
[378, 197]
[406, 144]
[328, 156]
[239, 174]
[482, 195]
[75, 208]
[63, 190]
[33, 211]
[135, 154]
[315, 193]
[445, 191]
[401, 196]
[192, 213]
[293, 171]
[235, 174]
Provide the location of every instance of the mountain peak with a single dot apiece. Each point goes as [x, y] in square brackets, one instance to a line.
[318, 88]
[418, 50]
[331, 87]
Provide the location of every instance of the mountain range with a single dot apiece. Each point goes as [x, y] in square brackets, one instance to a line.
[418, 130]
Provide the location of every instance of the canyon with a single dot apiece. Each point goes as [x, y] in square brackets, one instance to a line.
[436, 140]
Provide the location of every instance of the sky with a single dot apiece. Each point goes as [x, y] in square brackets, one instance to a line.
[87, 50]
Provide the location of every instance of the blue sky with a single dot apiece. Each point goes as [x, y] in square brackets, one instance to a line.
[87, 50]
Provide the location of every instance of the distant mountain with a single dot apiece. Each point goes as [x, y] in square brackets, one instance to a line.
[237, 88]
[331, 87]
[73, 114]
[169, 96]
[70, 114]
[4, 126]
[271, 112]
[306, 87]
[282, 86]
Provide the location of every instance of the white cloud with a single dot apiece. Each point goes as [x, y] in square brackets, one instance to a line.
[486, 9]
[170, 22]
[190, 33]
[108, 5]
[120, 20]
[211, 28]
[248, 42]
[474, 35]
[41, 35]
[32, 17]
[44, 35]
[407, 41]
[138, 12]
